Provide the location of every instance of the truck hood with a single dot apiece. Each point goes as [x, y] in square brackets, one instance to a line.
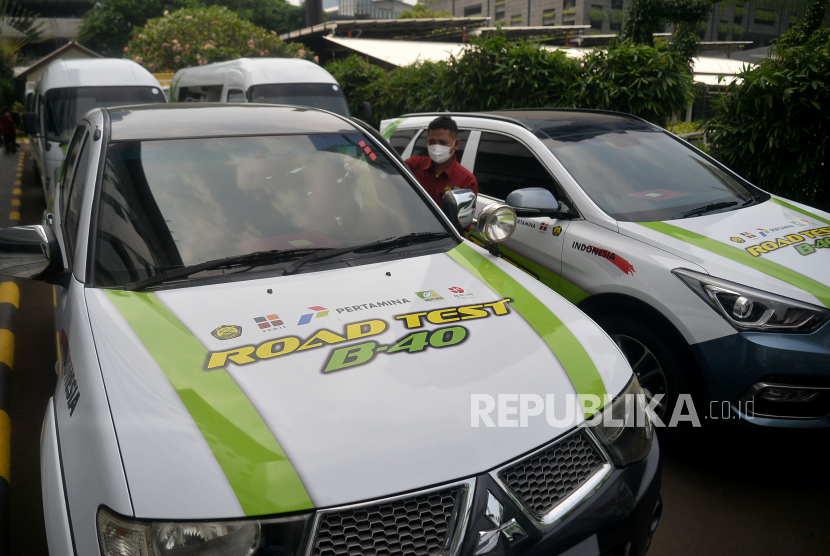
[777, 246]
[240, 399]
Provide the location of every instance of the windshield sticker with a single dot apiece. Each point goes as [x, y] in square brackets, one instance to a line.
[790, 239]
[375, 305]
[658, 194]
[429, 295]
[618, 261]
[320, 312]
[269, 323]
[227, 332]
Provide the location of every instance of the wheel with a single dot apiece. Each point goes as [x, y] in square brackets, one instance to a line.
[657, 362]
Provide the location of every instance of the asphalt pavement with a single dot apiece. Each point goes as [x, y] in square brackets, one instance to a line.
[726, 490]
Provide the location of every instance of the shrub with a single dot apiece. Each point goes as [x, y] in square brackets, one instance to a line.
[740, 12]
[774, 126]
[355, 75]
[723, 28]
[197, 36]
[616, 16]
[737, 31]
[569, 11]
[767, 17]
[597, 15]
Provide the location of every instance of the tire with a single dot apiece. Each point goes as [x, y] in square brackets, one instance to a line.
[660, 364]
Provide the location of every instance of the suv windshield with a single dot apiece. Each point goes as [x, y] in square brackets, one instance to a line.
[66, 107]
[642, 175]
[326, 96]
[167, 204]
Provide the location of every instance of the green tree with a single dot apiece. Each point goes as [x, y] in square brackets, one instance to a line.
[804, 29]
[273, 15]
[198, 36]
[110, 24]
[646, 17]
[420, 10]
[17, 29]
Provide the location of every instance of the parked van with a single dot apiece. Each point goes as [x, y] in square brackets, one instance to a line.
[67, 90]
[263, 81]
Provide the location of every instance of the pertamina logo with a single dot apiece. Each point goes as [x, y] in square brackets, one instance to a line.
[460, 293]
[227, 332]
[269, 322]
[319, 312]
[429, 295]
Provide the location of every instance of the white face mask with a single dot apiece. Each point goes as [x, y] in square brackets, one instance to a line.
[439, 153]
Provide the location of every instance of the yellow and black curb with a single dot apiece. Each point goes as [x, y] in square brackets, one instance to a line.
[9, 302]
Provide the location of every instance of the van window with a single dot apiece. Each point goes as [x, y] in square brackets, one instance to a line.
[326, 96]
[65, 107]
[503, 165]
[235, 95]
[401, 138]
[206, 93]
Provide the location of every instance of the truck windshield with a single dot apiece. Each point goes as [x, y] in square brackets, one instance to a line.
[642, 175]
[170, 203]
[326, 96]
[66, 107]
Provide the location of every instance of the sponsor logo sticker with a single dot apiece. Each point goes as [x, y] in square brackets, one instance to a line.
[429, 295]
[227, 332]
[543, 227]
[616, 260]
[319, 312]
[737, 239]
[460, 293]
[769, 246]
[269, 322]
[527, 223]
[557, 230]
[373, 305]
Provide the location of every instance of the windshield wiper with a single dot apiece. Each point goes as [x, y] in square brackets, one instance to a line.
[389, 243]
[706, 208]
[248, 259]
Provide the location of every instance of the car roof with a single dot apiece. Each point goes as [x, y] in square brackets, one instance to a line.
[96, 72]
[557, 122]
[257, 71]
[199, 119]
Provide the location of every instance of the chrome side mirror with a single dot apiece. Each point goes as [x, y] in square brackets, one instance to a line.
[533, 200]
[27, 252]
[460, 207]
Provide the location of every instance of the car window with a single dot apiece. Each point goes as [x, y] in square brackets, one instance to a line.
[420, 146]
[76, 193]
[326, 96]
[642, 175]
[170, 203]
[68, 166]
[503, 165]
[401, 138]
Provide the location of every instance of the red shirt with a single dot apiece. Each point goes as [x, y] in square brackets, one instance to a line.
[454, 177]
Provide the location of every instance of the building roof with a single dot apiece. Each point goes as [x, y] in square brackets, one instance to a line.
[176, 120]
[400, 53]
[528, 32]
[419, 28]
[55, 55]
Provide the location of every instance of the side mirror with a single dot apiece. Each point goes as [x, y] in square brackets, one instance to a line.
[30, 124]
[460, 207]
[496, 223]
[31, 252]
[367, 110]
[533, 200]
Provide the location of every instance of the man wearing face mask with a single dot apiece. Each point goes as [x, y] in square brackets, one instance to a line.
[440, 171]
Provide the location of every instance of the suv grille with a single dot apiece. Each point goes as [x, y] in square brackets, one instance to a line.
[418, 526]
[548, 477]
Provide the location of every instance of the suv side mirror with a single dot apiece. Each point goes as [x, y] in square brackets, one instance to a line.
[30, 124]
[460, 207]
[532, 201]
[31, 252]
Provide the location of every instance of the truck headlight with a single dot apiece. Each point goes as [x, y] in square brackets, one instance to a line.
[120, 536]
[748, 309]
[623, 427]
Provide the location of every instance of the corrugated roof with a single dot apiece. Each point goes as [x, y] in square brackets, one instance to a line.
[401, 53]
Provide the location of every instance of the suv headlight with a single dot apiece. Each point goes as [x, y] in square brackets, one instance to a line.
[748, 309]
[623, 426]
[119, 536]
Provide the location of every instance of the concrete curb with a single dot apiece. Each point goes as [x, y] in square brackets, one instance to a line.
[9, 302]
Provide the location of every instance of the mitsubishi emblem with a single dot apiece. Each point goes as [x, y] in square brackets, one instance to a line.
[488, 540]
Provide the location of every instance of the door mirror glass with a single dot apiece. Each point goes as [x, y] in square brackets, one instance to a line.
[533, 200]
[24, 251]
[460, 207]
[30, 124]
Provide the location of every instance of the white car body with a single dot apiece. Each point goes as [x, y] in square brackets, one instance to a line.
[164, 410]
[600, 263]
[47, 155]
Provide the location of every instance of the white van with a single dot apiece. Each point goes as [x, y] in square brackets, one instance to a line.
[261, 80]
[67, 90]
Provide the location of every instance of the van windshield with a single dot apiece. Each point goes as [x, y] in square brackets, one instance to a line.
[172, 203]
[65, 107]
[326, 96]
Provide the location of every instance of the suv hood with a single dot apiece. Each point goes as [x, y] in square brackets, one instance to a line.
[215, 418]
[776, 246]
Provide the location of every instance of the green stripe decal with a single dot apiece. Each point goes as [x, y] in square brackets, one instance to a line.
[392, 127]
[564, 345]
[820, 291]
[802, 211]
[257, 469]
